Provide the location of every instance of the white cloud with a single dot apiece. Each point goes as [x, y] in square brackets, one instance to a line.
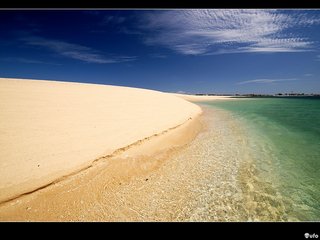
[199, 32]
[267, 80]
[308, 74]
[74, 51]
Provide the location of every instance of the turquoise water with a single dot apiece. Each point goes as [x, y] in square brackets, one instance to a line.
[284, 139]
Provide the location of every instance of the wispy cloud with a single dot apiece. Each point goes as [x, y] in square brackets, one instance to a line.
[158, 55]
[197, 32]
[267, 80]
[26, 60]
[75, 51]
[106, 17]
[308, 75]
[112, 19]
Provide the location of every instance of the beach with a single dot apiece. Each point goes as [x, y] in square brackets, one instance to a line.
[201, 115]
[88, 152]
[51, 130]
[167, 178]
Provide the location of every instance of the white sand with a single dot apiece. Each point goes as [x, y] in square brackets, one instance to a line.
[50, 129]
[200, 98]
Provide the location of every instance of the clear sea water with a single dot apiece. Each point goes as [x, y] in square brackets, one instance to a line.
[284, 141]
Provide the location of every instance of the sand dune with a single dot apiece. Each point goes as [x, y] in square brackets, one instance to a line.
[49, 129]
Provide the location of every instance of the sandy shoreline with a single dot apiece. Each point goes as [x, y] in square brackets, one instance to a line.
[190, 178]
[52, 129]
[155, 173]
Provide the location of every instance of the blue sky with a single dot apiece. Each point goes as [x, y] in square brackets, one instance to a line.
[193, 51]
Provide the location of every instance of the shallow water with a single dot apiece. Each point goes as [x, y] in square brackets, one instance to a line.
[284, 144]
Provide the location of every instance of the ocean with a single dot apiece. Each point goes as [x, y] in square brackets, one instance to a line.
[281, 177]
